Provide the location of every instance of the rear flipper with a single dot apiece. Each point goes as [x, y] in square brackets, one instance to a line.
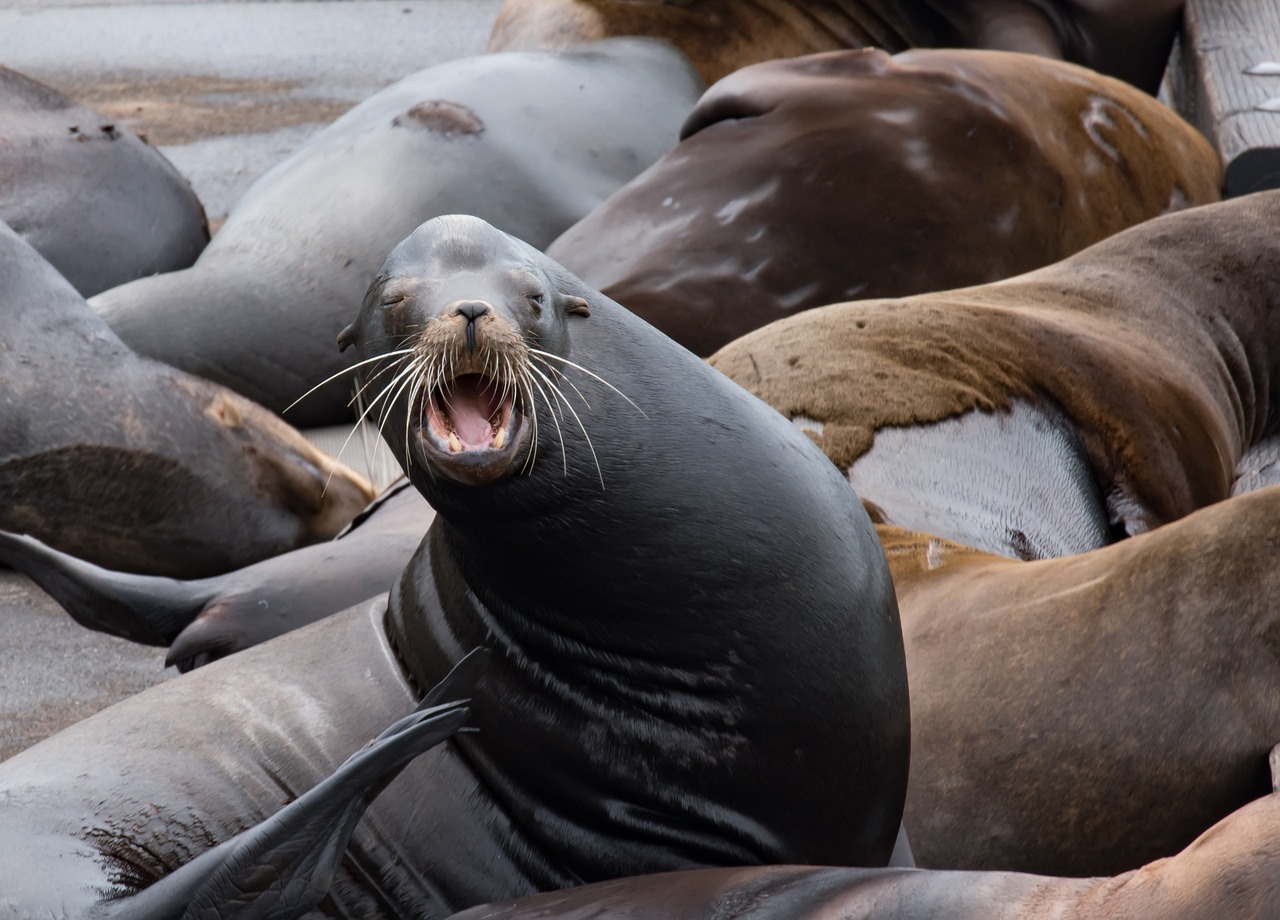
[144, 608]
[284, 867]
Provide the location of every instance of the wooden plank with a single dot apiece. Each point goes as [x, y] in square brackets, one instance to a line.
[1225, 79]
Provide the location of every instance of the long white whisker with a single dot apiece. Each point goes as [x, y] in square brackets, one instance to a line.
[577, 419]
[360, 419]
[551, 409]
[346, 370]
[547, 354]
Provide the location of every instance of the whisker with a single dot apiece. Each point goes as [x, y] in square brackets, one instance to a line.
[360, 420]
[579, 367]
[551, 409]
[346, 370]
[569, 406]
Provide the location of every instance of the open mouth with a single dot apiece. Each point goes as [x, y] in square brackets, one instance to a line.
[471, 413]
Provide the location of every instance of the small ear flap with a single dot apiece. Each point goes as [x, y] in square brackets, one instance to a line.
[577, 306]
[347, 337]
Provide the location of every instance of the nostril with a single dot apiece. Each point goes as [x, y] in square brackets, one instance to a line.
[471, 309]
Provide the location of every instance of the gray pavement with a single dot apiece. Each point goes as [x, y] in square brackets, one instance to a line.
[225, 90]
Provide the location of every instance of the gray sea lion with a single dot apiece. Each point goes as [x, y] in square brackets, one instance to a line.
[91, 197]
[204, 619]
[1129, 39]
[671, 580]
[1229, 871]
[852, 174]
[133, 465]
[282, 868]
[1132, 377]
[530, 142]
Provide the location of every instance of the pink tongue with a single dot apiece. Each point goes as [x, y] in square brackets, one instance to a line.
[470, 404]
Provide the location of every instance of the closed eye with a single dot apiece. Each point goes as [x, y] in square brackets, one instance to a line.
[535, 301]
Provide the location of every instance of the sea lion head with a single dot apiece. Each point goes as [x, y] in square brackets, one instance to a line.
[461, 330]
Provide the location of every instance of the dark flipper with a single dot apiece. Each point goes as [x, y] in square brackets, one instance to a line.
[283, 867]
[143, 608]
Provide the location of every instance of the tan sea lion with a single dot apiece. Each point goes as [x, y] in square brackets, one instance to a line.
[853, 174]
[1129, 39]
[1086, 715]
[1049, 413]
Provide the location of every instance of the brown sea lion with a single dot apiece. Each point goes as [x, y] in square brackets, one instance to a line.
[1228, 872]
[137, 466]
[1086, 715]
[92, 198]
[853, 174]
[1049, 413]
[1128, 39]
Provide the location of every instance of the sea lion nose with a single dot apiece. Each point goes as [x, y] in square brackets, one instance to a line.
[471, 309]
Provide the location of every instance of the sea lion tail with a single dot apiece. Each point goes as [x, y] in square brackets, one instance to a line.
[143, 608]
[283, 867]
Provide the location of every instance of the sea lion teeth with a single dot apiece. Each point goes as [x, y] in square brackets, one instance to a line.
[455, 444]
[500, 439]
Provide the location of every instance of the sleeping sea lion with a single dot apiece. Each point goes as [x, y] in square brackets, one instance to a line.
[852, 174]
[1054, 412]
[93, 198]
[531, 142]
[133, 465]
[1229, 871]
[1128, 39]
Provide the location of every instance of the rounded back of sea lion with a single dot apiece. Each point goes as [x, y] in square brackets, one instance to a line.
[529, 142]
[1229, 872]
[853, 174]
[134, 465]
[676, 584]
[1157, 346]
[719, 36]
[1127, 39]
[92, 198]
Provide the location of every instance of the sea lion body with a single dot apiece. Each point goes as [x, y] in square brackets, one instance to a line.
[531, 142]
[1127, 697]
[1128, 40]
[1156, 347]
[134, 465]
[96, 201]
[204, 619]
[668, 588]
[1228, 872]
[853, 174]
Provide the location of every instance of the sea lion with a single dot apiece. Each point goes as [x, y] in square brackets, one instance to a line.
[92, 197]
[853, 174]
[669, 588]
[1125, 39]
[205, 619]
[530, 142]
[1127, 698]
[1229, 871]
[1132, 376]
[136, 466]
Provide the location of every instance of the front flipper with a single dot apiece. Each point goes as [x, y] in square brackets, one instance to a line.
[283, 867]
